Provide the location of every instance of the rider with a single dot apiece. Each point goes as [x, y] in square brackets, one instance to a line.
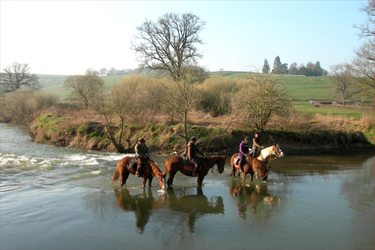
[192, 151]
[244, 151]
[257, 144]
[141, 153]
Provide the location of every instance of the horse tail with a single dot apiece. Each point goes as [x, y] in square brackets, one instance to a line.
[115, 175]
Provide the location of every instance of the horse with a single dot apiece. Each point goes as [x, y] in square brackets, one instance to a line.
[127, 165]
[267, 153]
[251, 166]
[176, 163]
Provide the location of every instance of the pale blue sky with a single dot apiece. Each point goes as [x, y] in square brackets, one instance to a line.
[67, 37]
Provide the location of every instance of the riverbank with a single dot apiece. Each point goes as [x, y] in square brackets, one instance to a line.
[85, 130]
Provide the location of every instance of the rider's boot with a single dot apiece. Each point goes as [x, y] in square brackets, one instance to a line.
[139, 171]
[241, 166]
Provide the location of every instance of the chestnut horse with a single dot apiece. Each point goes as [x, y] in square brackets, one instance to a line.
[124, 168]
[251, 166]
[175, 163]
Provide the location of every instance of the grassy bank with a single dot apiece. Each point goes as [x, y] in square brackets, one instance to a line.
[72, 131]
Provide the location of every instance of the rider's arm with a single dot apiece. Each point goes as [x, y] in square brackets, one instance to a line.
[256, 144]
[189, 152]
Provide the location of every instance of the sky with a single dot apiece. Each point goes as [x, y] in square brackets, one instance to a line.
[69, 37]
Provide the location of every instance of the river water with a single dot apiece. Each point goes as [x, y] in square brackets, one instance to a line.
[61, 198]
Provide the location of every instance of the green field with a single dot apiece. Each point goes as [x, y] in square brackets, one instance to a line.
[305, 108]
[300, 87]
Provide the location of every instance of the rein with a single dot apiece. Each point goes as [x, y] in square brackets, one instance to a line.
[271, 154]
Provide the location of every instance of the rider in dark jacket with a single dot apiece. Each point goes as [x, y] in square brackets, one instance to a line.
[244, 151]
[141, 152]
[192, 151]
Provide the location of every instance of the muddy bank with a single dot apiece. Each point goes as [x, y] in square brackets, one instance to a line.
[166, 139]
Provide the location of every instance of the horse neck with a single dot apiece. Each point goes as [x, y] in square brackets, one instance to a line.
[155, 169]
[266, 153]
[210, 162]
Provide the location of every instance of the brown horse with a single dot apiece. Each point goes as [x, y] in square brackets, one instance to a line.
[176, 163]
[251, 166]
[124, 168]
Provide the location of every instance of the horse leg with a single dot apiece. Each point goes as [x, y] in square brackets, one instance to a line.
[233, 171]
[124, 176]
[200, 180]
[244, 176]
[171, 175]
[251, 176]
[144, 182]
[150, 180]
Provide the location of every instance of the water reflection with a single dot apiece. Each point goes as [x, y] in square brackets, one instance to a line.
[358, 186]
[192, 206]
[252, 198]
[140, 204]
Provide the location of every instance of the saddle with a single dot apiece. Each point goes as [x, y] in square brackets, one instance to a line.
[133, 163]
[237, 160]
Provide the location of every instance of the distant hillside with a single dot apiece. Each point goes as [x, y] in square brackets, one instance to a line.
[300, 87]
[54, 83]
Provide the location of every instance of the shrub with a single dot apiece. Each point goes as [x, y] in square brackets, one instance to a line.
[21, 105]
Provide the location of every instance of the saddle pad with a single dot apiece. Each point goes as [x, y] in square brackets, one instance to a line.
[188, 166]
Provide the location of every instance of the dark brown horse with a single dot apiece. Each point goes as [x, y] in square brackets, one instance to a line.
[251, 166]
[125, 167]
[176, 163]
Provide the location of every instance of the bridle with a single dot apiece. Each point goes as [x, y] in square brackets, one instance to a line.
[273, 152]
[216, 171]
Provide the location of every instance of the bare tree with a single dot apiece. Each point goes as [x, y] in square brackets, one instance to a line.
[342, 82]
[181, 96]
[129, 99]
[84, 87]
[262, 97]
[362, 67]
[18, 76]
[170, 43]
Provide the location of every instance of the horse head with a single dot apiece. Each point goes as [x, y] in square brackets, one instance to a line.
[157, 172]
[276, 150]
[219, 160]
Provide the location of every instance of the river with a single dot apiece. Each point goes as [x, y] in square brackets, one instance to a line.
[61, 198]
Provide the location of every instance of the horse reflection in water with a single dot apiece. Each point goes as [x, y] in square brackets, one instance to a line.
[144, 204]
[141, 204]
[257, 197]
[194, 205]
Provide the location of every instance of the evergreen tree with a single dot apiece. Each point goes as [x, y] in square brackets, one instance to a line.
[266, 67]
[276, 65]
[318, 71]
